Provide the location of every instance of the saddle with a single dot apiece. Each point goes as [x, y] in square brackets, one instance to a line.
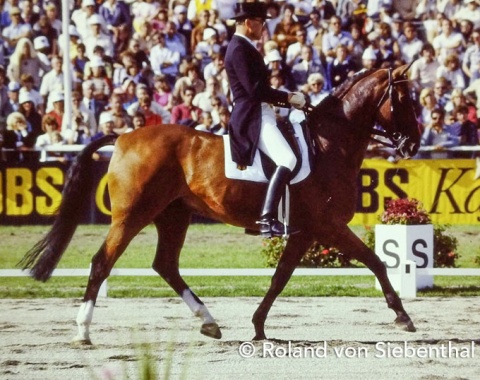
[298, 137]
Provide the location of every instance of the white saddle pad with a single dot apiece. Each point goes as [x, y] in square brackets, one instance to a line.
[255, 172]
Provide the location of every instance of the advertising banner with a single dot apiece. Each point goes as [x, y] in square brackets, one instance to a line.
[448, 189]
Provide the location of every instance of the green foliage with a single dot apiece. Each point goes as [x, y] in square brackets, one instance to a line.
[317, 256]
[410, 212]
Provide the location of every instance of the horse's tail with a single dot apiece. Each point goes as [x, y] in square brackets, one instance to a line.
[45, 255]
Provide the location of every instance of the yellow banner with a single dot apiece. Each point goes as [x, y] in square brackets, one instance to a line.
[447, 188]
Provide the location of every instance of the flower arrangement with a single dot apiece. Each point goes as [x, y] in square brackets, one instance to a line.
[317, 256]
[410, 211]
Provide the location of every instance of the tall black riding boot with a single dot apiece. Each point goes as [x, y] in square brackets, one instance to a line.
[270, 226]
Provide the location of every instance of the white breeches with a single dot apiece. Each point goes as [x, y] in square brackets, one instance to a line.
[272, 142]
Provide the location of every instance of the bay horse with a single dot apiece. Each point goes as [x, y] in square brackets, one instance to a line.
[162, 175]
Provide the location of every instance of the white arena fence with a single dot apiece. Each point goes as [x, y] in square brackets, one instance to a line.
[408, 273]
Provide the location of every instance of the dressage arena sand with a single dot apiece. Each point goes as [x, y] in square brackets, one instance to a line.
[35, 339]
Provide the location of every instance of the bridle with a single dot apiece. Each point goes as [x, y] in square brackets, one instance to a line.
[398, 140]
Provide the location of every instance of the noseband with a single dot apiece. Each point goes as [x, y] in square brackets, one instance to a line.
[396, 138]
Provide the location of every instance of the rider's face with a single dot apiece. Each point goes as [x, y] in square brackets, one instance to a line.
[255, 26]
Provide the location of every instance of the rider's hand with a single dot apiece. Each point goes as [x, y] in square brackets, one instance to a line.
[297, 100]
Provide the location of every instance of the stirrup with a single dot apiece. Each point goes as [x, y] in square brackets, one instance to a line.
[272, 227]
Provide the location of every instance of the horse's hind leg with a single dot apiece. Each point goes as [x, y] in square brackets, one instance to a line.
[118, 238]
[348, 243]
[296, 247]
[172, 227]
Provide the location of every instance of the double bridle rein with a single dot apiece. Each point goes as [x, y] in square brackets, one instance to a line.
[396, 138]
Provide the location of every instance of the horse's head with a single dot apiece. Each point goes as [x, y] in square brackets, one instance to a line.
[396, 113]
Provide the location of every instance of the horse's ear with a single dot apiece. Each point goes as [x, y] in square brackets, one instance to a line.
[404, 71]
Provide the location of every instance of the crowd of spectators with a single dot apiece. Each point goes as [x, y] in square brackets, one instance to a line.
[147, 62]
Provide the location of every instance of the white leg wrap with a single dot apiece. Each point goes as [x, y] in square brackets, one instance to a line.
[198, 309]
[84, 319]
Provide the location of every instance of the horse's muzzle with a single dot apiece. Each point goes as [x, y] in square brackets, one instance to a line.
[405, 147]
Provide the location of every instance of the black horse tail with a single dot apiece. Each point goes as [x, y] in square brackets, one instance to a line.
[45, 255]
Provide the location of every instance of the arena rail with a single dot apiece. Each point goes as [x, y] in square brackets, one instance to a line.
[408, 274]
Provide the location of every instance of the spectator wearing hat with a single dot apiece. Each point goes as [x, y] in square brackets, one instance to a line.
[129, 93]
[116, 15]
[24, 60]
[13, 95]
[81, 16]
[27, 85]
[17, 30]
[183, 24]
[43, 28]
[97, 38]
[98, 76]
[369, 59]
[74, 42]
[106, 127]
[10, 104]
[41, 46]
[28, 109]
[52, 81]
[207, 47]
[17, 139]
[58, 104]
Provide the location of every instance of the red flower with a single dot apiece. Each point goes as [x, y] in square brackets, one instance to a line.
[325, 251]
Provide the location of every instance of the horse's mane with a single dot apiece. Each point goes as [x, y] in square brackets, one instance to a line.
[342, 90]
[328, 105]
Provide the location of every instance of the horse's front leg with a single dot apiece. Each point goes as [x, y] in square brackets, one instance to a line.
[296, 247]
[350, 244]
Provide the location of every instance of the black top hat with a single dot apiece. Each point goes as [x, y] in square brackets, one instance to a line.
[250, 9]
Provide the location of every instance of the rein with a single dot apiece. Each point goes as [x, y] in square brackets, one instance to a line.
[395, 137]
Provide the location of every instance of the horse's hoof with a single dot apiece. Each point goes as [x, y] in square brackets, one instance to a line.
[259, 337]
[406, 325]
[81, 342]
[211, 330]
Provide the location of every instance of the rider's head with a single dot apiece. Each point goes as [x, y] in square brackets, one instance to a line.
[250, 18]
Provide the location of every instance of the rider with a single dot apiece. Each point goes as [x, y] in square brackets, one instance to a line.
[252, 123]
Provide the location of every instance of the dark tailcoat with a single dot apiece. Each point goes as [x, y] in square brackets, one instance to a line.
[249, 82]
